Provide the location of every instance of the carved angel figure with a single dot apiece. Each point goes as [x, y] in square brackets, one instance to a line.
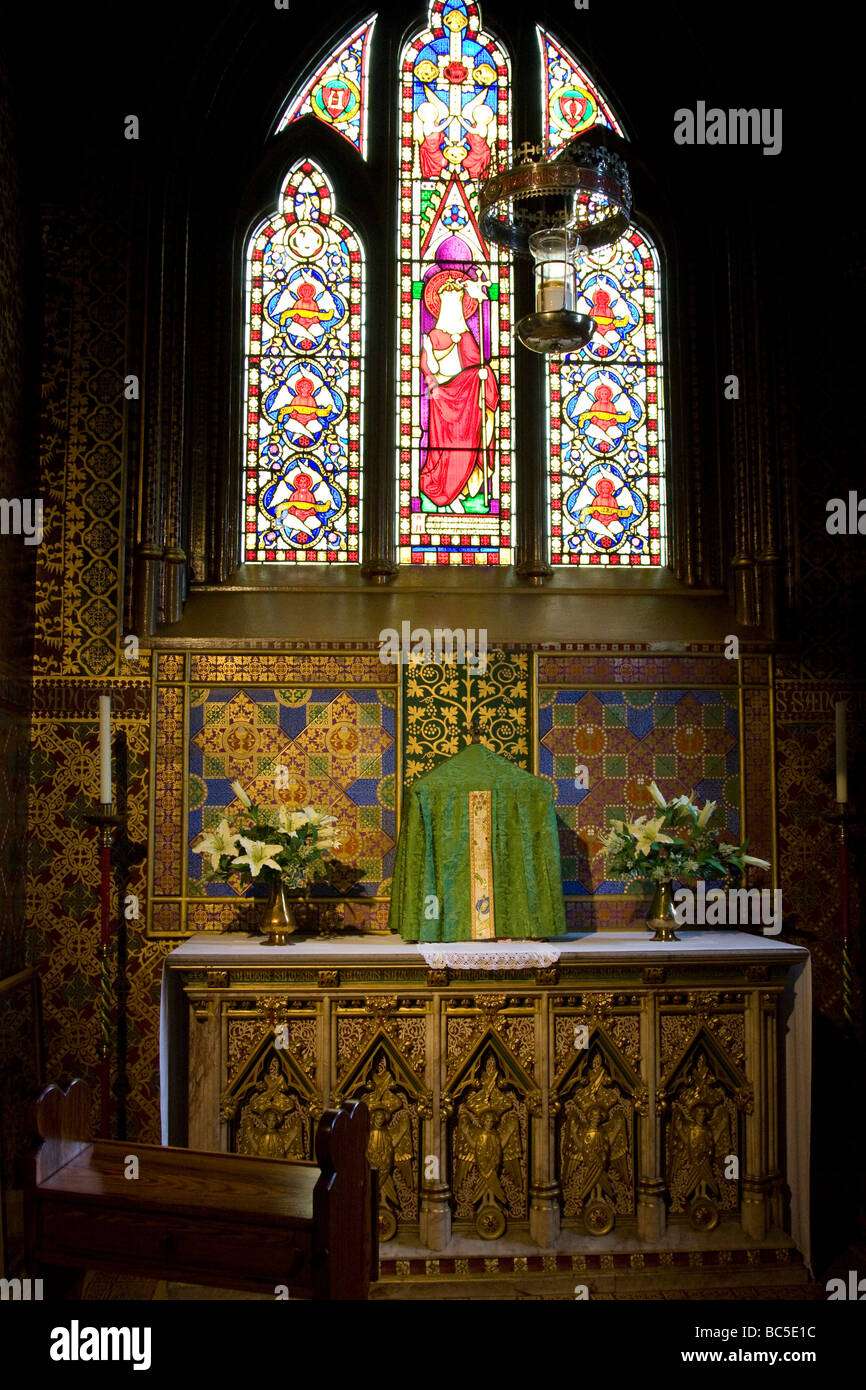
[594, 1137]
[487, 1142]
[700, 1129]
[390, 1143]
[273, 1126]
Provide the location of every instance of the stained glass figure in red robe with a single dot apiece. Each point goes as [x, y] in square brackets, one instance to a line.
[296, 499]
[463, 396]
[431, 118]
[477, 120]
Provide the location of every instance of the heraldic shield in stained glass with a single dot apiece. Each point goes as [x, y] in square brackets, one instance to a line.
[455, 367]
[571, 103]
[606, 422]
[337, 94]
[303, 374]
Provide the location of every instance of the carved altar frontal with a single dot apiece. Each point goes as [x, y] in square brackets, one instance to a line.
[590, 1099]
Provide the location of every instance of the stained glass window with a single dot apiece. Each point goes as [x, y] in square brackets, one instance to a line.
[303, 374]
[571, 103]
[337, 94]
[455, 293]
[606, 414]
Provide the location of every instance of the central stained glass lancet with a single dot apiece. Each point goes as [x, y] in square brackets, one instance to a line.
[455, 293]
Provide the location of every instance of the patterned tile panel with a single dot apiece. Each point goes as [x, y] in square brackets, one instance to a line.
[626, 669]
[309, 668]
[682, 739]
[336, 750]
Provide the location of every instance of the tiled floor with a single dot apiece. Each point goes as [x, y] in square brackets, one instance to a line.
[538, 1288]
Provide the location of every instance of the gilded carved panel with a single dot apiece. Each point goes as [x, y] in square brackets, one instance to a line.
[396, 1105]
[701, 1139]
[465, 1025]
[596, 1145]
[489, 1134]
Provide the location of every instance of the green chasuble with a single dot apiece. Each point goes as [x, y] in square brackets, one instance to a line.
[478, 854]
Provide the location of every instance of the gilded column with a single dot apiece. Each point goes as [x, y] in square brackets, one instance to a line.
[754, 1215]
[435, 1216]
[205, 1069]
[651, 1219]
[544, 1203]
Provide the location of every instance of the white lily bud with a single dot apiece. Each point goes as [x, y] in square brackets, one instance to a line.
[705, 813]
[758, 863]
[657, 796]
[241, 794]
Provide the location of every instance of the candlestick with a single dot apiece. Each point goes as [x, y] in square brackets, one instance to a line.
[105, 749]
[107, 822]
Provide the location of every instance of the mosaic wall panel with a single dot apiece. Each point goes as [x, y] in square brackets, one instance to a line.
[682, 739]
[441, 701]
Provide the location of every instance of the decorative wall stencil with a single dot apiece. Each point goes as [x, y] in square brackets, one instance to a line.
[78, 562]
[291, 668]
[442, 700]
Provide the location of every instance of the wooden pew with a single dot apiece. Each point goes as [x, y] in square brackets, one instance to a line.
[201, 1218]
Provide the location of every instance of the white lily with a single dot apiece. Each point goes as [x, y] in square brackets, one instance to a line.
[657, 796]
[649, 834]
[241, 794]
[258, 856]
[217, 843]
[705, 813]
[315, 817]
[758, 863]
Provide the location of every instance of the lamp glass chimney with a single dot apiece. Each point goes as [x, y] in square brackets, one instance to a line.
[554, 251]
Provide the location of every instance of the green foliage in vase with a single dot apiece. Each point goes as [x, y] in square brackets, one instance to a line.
[679, 842]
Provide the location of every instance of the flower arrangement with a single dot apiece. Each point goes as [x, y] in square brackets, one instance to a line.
[271, 845]
[677, 843]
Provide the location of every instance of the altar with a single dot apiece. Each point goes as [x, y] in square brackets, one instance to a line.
[568, 1101]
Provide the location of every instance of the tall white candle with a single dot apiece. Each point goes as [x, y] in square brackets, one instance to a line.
[105, 749]
[841, 752]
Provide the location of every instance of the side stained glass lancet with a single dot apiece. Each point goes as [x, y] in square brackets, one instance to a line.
[303, 377]
[606, 402]
[455, 353]
[337, 93]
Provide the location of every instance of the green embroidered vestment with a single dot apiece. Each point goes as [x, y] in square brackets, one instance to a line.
[478, 854]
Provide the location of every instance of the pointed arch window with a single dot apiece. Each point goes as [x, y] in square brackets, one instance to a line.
[455, 369]
[303, 378]
[337, 93]
[454, 349]
[606, 402]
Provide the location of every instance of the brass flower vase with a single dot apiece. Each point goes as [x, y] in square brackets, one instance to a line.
[279, 922]
[660, 919]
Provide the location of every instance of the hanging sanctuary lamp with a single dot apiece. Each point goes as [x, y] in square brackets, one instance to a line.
[556, 210]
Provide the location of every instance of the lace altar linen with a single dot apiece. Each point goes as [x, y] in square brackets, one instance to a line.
[493, 955]
[478, 855]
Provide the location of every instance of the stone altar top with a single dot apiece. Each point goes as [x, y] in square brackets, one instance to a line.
[591, 948]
